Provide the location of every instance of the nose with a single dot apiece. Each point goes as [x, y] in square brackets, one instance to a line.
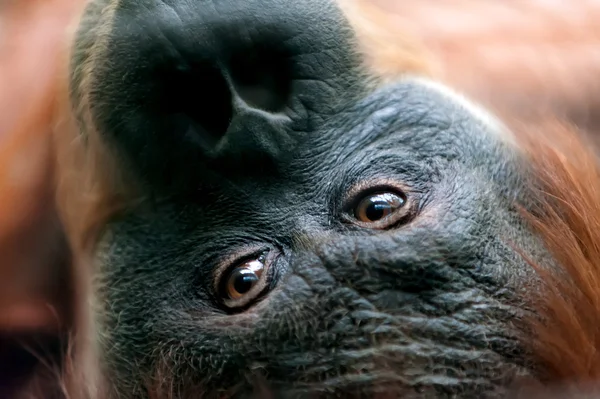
[264, 70]
[185, 82]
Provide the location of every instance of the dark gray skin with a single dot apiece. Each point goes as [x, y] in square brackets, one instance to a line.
[234, 166]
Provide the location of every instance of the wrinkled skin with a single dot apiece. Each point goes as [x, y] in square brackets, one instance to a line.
[424, 306]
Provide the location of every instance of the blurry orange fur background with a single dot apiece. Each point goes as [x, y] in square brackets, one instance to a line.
[525, 60]
[31, 35]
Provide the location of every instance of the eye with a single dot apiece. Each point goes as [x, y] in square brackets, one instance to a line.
[379, 209]
[378, 206]
[244, 283]
[244, 278]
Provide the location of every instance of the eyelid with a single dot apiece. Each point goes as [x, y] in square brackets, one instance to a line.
[237, 259]
[363, 188]
[240, 255]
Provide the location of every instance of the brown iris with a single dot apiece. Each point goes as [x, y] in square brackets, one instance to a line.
[243, 279]
[378, 207]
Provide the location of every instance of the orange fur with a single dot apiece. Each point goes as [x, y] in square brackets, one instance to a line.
[567, 332]
[26, 169]
[527, 59]
[41, 291]
[546, 64]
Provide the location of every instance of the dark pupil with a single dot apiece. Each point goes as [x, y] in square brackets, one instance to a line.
[244, 282]
[377, 210]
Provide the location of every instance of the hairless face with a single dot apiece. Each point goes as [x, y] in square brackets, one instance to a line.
[306, 229]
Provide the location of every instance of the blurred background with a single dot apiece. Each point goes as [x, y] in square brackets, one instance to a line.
[528, 60]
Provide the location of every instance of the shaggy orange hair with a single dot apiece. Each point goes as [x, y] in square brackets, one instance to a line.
[566, 328]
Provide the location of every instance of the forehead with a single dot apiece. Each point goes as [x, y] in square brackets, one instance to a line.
[412, 124]
[413, 131]
[419, 114]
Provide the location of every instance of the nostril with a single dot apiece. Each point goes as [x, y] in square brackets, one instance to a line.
[262, 78]
[201, 93]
